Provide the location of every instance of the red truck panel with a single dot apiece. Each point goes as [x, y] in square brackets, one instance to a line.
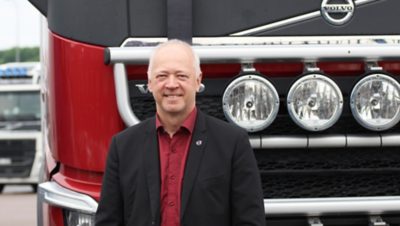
[83, 113]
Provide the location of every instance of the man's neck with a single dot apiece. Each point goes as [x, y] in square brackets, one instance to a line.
[172, 122]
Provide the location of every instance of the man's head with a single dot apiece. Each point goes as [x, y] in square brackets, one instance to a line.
[174, 77]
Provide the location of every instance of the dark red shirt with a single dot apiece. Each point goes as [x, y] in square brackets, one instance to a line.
[173, 153]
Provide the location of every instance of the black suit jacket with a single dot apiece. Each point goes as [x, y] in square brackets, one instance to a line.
[221, 184]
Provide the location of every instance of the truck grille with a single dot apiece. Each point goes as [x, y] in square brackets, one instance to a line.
[17, 157]
[305, 173]
[329, 172]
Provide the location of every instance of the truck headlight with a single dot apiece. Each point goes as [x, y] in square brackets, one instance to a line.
[251, 102]
[78, 209]
[375, 102]
[75, 218]
[315, 102]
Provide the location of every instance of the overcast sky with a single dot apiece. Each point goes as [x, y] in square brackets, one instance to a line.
[28, 24]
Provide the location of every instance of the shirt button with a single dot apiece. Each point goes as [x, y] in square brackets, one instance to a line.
[171, 203]
[172, 177]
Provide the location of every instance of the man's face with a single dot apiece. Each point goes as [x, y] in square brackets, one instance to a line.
[173, 80]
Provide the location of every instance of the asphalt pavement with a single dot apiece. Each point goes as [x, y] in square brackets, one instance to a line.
[17, 206]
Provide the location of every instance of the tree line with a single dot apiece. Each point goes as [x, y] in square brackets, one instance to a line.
[26, 54]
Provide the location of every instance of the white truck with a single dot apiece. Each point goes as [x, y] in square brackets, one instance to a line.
[20, 124]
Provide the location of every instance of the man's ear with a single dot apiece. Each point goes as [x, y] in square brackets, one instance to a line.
[149, 87]
[199, 78]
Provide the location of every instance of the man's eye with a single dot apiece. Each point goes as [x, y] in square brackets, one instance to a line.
[160, 76]
[182, 76]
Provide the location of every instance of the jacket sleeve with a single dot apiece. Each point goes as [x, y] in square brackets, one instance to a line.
[110, 209]
[246, 192]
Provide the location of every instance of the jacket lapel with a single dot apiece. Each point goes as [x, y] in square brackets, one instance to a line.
[196, 150]
[152, 164]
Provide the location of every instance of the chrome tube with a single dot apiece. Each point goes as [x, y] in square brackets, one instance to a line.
[122, 94]
[254, 53]
[278, 142]
[255, 141]
[326, 206]
[391, 140]
[364, 140]
[329, 141]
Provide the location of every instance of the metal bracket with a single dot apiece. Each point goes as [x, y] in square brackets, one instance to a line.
[311, 67]
[248, 67]
[377, 221]
[314, 221]
[373, 66]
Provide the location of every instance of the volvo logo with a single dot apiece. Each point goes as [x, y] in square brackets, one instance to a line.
[335, 13]
[143, 89]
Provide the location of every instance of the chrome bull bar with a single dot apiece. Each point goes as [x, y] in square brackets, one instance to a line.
[119, 56]
[325, 141]
[254, 53]
[329, 206]
[56, 195]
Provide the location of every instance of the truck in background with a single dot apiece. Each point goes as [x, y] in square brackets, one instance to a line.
[315, 83]
[21, 154]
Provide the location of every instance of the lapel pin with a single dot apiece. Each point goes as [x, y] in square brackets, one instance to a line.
[199, 142]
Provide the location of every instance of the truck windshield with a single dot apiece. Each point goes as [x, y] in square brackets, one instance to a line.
[19, 106]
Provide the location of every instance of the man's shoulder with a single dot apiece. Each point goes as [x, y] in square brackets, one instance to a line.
[137, 130]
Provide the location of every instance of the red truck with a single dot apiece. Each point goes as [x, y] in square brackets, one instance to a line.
[315, 83]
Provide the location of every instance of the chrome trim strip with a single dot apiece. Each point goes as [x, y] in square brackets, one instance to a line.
[275, 40]
[53, 194]
[254, 53]
[122, 93]
[289, 21]
[326, 206]
[277, 24]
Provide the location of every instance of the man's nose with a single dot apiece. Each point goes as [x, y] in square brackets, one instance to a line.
[172, 82]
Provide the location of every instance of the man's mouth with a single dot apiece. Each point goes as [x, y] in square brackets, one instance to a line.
[172, 95]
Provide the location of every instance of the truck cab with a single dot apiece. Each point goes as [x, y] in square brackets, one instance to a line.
[315, 84]
[20, 124]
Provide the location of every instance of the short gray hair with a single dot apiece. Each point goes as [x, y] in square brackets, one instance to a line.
[196, 58]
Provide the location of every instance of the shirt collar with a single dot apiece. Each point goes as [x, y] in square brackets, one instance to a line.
[188, 124]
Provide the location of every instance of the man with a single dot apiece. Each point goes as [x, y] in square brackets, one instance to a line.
[181, 167]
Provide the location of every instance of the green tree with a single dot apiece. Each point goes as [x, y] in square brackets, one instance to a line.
[26, 54]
